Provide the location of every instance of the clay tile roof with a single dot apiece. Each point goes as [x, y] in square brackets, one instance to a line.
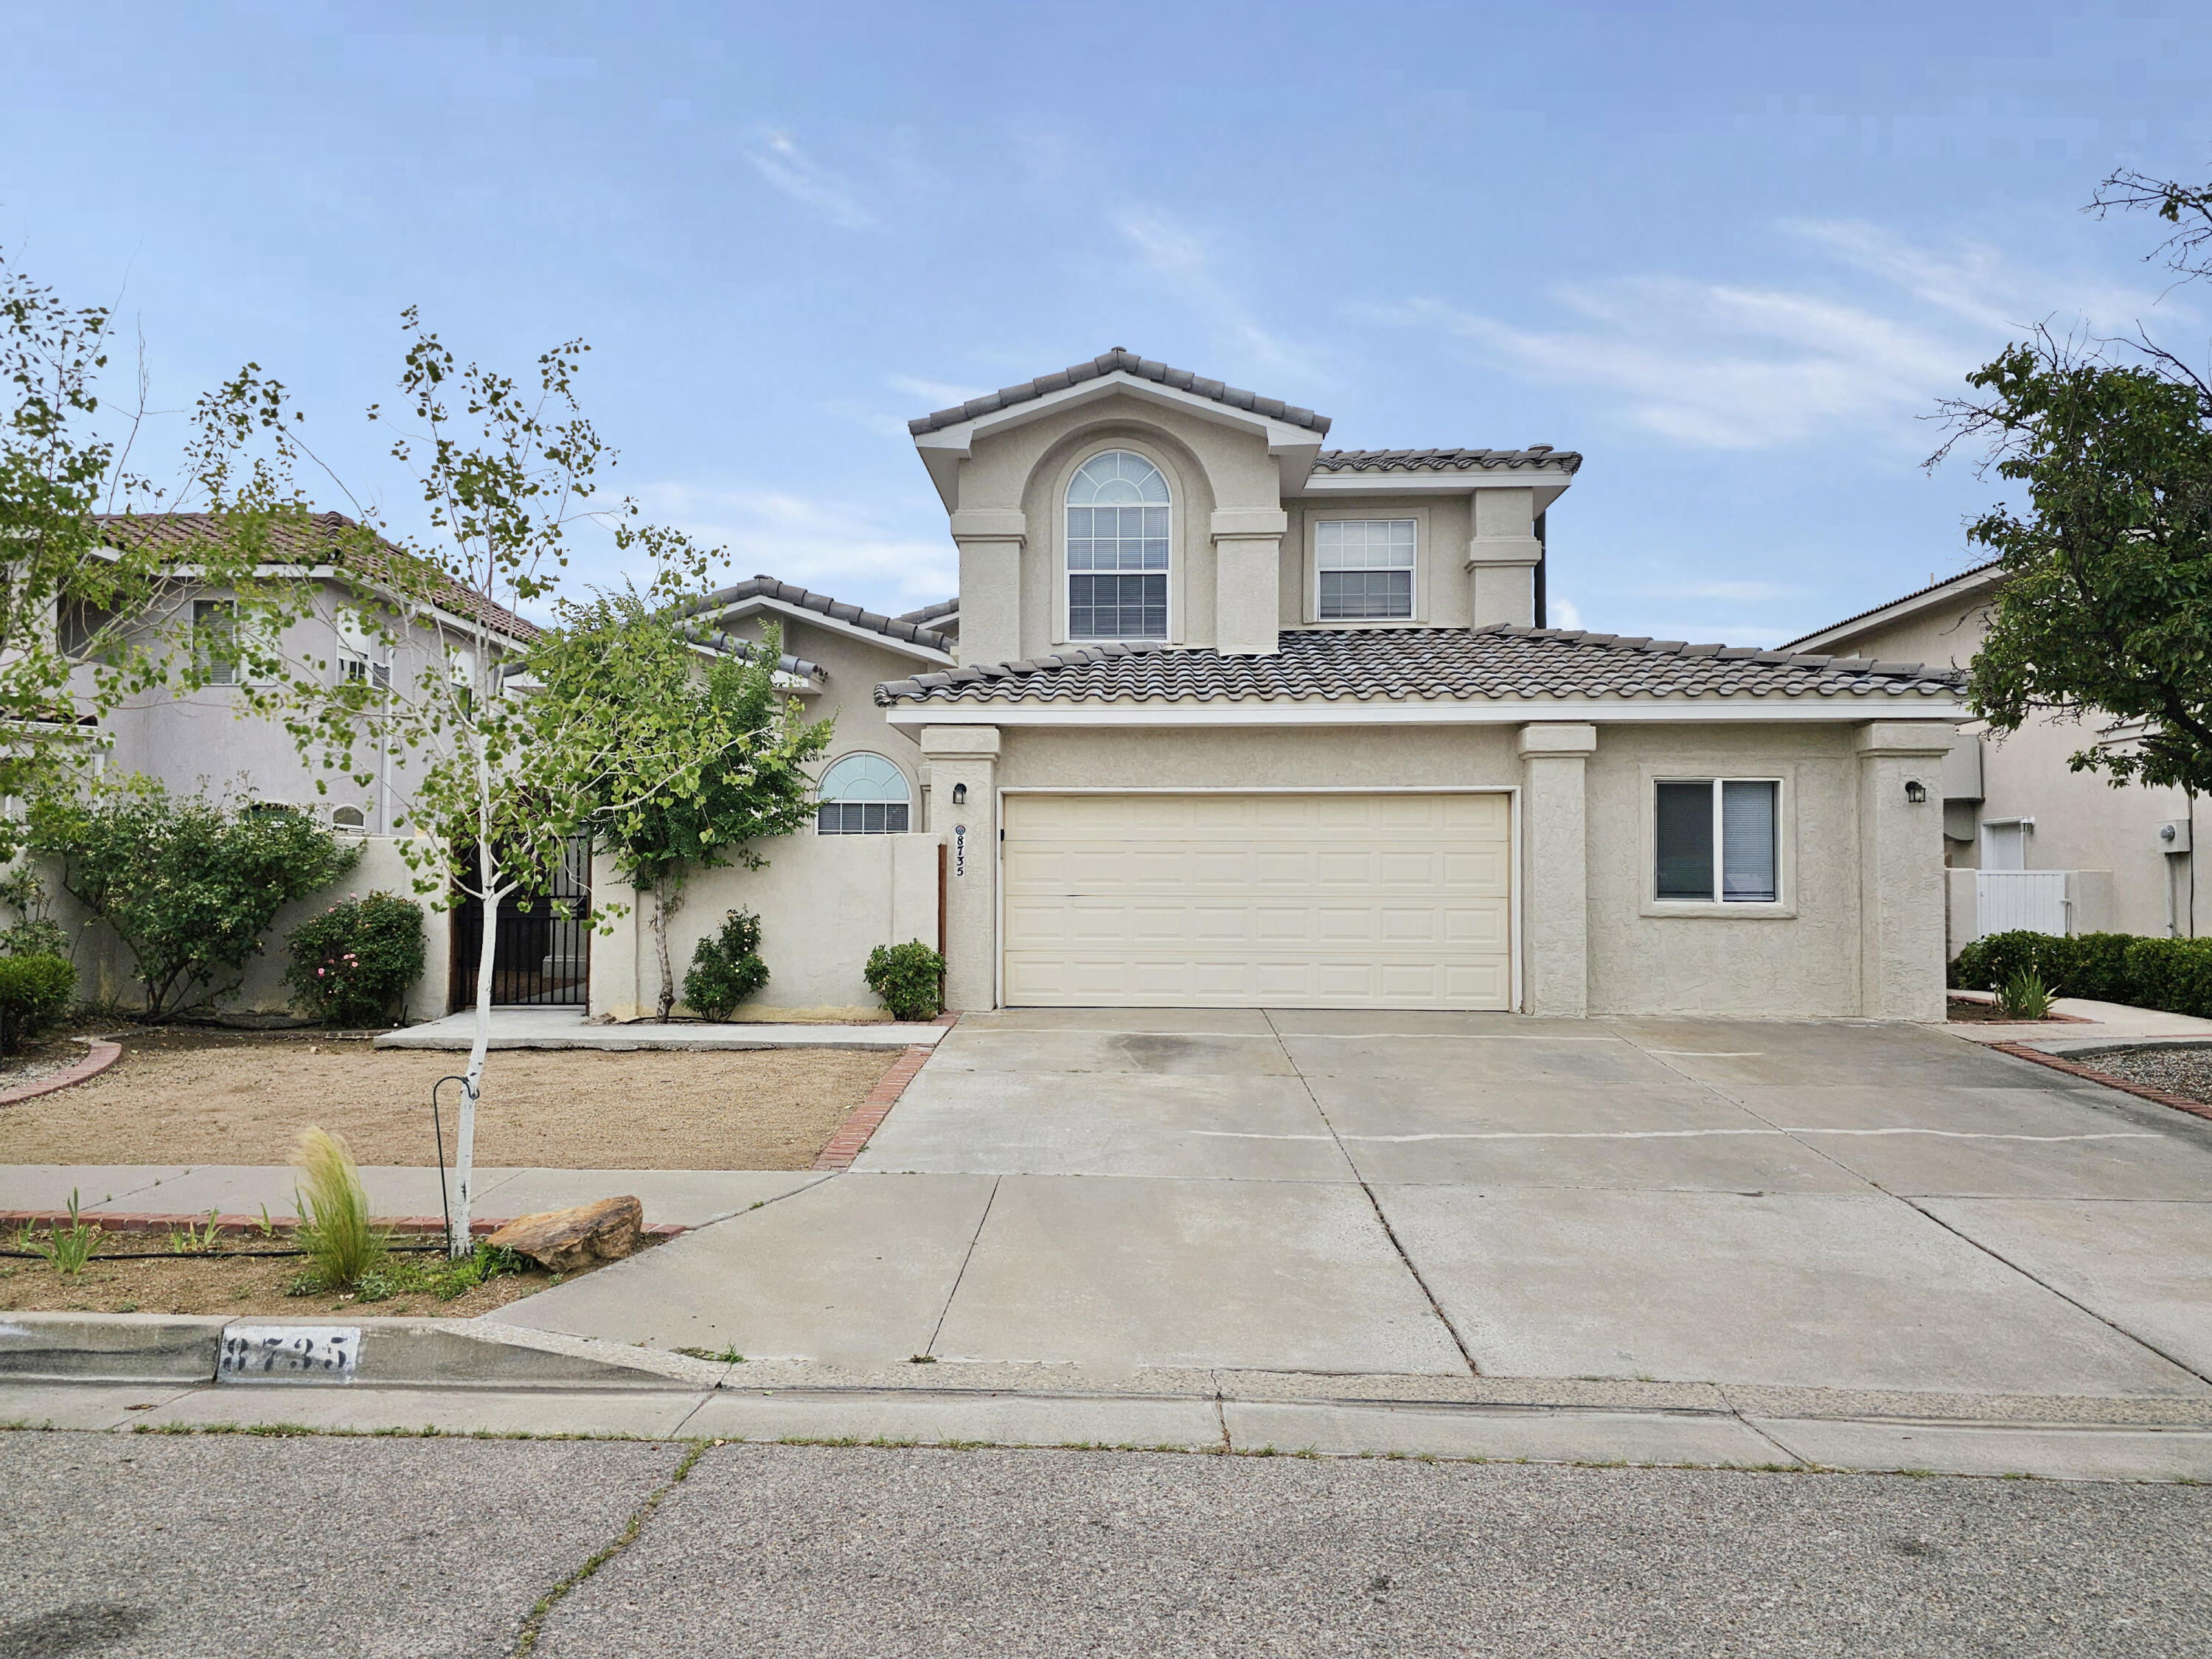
[1536, 457]
[310, 542]
[1427, 663]
[929, 613]
[1987, 571]
[1126, 362]
[767, 587]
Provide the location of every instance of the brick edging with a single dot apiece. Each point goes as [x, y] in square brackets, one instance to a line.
[2090, 1074]
[864, 1118]
[103, 1055]
[138, 1221]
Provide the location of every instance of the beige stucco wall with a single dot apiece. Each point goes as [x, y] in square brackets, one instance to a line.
[824, 903]
[853, 667]
[2081, 823]
[107, 972]
[1442, 593]
[1860, 930]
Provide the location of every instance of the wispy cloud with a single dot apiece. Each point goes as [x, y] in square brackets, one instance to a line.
[791, 170]
[1730, 366]
[1186, 266]
[848, 552]
[937, 394]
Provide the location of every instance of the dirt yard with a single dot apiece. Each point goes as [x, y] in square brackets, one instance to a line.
[255, 1285]
[184, 1096]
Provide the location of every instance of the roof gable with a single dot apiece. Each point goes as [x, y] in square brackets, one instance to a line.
[907, 637]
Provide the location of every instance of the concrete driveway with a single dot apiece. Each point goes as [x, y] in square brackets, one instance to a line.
[1820, 1204]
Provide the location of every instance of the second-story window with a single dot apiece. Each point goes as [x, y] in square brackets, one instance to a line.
[1364, 569]
[1117, 549]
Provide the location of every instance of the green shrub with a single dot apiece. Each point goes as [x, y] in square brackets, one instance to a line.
[35, 933]
[352, 965]
[35, 992]
[2171, 975]
[334, 1225]
[726, 970]
[189, 885]
[909, 977]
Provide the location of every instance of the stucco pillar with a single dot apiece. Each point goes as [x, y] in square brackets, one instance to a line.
[1501, 558]
[1901, 895]
[957, 755]
[1555, 869]
[990, 540]
[1247, 576]
[612, 988]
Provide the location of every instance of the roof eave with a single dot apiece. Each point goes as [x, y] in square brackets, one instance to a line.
[1981, 579]
[1293, 447]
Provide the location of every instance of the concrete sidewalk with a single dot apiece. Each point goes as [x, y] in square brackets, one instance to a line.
[2086, 1025]
[685, 1198]
[565, 1028]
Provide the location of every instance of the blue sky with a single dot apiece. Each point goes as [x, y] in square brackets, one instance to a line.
[1733, 253]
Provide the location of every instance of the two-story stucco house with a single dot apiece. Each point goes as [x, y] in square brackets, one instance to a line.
[1238, 719]
[2031, 842]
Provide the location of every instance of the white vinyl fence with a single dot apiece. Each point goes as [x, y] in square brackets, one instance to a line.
[2033, 899]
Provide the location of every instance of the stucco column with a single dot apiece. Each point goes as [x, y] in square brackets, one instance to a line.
[1555, 869]
[957, 755]
[1501, 558]
[1248, 575]
[990, 540]
[1901, 894]
[612, 989]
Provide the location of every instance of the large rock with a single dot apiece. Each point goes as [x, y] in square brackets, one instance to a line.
[565, 1240]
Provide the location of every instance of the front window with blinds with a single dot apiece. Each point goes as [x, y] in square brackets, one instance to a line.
[214, 635]
[1718, 841]
[1364, 569]
[862, 795]
[1118, 520]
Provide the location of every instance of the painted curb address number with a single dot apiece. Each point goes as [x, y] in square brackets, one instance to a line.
[289, 1353]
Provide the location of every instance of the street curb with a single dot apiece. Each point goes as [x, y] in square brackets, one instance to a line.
[864, 1118]
[102, 1055]
[135, 1221]
[78, 1348]
[2091, 1074]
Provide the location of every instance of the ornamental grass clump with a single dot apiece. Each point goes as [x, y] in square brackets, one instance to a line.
[335, 1230]
[352, 965]
[2025, 996]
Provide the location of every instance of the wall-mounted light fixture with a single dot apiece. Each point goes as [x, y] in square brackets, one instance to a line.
[1915, 790]
[960, 793]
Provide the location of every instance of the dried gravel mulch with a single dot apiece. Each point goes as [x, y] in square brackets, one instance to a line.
[2182, 1069]
[196, 1097]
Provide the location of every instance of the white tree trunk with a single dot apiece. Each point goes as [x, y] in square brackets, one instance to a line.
[459, 1243]
[664, 908]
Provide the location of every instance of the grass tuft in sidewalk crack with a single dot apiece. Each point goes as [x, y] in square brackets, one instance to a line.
[534, 1625]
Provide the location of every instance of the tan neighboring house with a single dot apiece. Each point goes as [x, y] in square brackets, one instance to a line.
[1242, 720]
[2029, 843]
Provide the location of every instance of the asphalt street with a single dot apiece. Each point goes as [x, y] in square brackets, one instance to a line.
[125, 1545]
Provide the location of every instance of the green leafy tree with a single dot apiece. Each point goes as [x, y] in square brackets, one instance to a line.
[191, 885]
[86, 617]
[499, 768]
[2105, 615]
[704, 756]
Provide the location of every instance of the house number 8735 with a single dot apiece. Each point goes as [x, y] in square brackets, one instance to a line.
[959, 850]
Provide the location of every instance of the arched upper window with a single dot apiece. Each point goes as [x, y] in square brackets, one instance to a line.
[862, 794]
[1117, 548]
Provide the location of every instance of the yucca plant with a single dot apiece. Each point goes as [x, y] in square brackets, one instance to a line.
[335, 1230]
[2025, 996]
[70, 1248]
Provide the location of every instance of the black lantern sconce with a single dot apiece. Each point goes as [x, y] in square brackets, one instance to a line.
[960, 793]
[1915, 790]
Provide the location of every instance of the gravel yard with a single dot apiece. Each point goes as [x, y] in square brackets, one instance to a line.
[2181, 1069]
[185, 1096]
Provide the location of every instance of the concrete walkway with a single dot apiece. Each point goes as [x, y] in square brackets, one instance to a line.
[565, 1028]
[687, 1198]
[1836, 1206]
[2086, 1024]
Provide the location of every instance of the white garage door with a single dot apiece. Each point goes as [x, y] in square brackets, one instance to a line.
[1228, 899]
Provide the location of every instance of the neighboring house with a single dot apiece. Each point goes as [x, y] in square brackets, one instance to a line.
[2030, 842]
[205, 740]
[201, 738]
[1239, 719]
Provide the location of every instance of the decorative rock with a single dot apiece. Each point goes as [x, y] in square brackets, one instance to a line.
[565, 1240]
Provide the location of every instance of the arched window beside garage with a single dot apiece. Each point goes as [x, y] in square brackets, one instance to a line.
[1118, 516]
[862, 794]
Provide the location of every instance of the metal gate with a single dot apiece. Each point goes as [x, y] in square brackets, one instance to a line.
[542, 949]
